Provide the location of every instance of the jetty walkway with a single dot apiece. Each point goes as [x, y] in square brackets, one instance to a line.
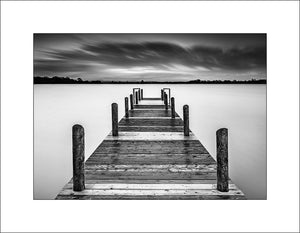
[150, 154]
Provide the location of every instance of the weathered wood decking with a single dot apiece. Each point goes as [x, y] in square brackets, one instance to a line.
[150, 159]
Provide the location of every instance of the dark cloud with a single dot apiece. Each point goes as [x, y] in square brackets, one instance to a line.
[84, 56]
[158, 53]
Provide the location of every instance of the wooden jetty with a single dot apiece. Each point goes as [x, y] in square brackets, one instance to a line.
[150, 154]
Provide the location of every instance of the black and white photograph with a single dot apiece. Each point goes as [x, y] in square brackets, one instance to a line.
[150, 116]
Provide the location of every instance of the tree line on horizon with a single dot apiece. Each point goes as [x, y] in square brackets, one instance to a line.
[67, 80]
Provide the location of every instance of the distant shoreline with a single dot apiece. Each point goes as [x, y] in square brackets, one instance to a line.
[148, 83]
[62, 80]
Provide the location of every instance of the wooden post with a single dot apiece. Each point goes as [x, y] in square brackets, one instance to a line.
[139, 91]
[136, 97]
[186, 120]
[222, 160]
[78, 157]
[142, 94]
[173, 107]
[126, 107]
[166, 100]
[162, 94]
[131, 102]
[114, 113]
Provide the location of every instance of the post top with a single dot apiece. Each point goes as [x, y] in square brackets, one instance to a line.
[77, 126]
[223, 131]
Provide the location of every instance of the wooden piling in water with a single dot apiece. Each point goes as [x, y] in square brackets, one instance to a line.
[173, 107]
[114, 113]
[131, 102]
[126, 107]
[186, 120]
[162, 94]
[139, 91]
[78, 157]
[136, 98]
[166, 100]
[222, 160]
[142, 94]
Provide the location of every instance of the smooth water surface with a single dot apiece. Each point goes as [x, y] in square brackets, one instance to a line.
[240, 108]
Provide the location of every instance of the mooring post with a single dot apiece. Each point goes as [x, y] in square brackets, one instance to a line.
[131, 102]
[78, 157]
[173, 107]
[136, 97]
[186, 120]
[222, 160]
[126, 107]
[162, 94]
[166, 100]
[142, 94]
[114, 113]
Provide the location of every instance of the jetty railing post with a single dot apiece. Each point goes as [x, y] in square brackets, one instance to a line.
[78, 157]
[173, 107]
[114, 113]
[222, 160]
[136, 97]
[131, 102]
[126, 107]
[186, 127]
[162, 94]
[139, 91]
[166, 100]
[142, 94]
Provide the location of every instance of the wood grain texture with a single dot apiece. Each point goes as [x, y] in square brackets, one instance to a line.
[149, 128]
[151, 113]
[150, 122]
[150, 159]
[151, 136]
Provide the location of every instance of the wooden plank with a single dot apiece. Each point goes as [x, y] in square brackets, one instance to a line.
[151, 98]
[149, 159]
[150, 186]
[151, 113]
[149, 181]
[180, 167]
[152, 106]
[151, 147]
[150, 128]
[153, 192]
[150, 122]
[151, 197]
[151, 136]
[118, 161]
[149, 176]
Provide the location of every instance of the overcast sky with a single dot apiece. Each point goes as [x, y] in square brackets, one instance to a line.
[158, 57]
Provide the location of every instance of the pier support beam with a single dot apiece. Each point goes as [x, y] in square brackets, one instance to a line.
[131, 102]
[142, 94]
[166, 100]
[162, 94]
[186, 127]
[114, 114]
[78, 157]
[126, 107]
[173, 107]
[222, 160]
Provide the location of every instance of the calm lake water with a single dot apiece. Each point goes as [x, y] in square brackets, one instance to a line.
[240, 108]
